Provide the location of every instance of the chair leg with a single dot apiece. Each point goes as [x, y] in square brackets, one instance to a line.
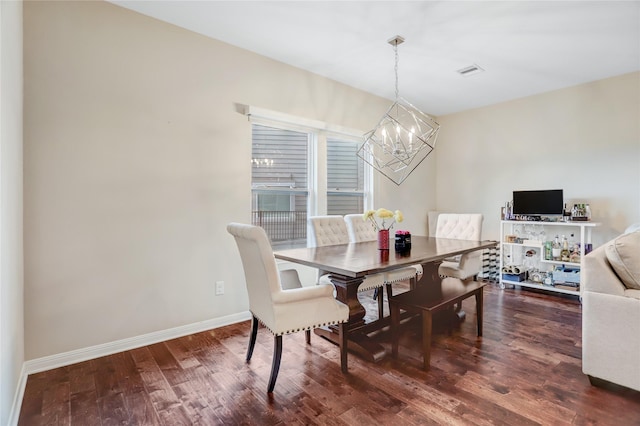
[342, 329]
[459, 313]
[252, 338]
[275, 366]
[479, 304]
[308, 336]
[380, 302]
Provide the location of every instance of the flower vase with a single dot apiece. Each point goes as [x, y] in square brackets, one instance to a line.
[383, 239]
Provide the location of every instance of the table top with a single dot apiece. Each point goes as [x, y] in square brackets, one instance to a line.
[360, 259]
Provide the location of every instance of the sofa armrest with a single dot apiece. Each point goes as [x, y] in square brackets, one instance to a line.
[599, 276]
[611, 338]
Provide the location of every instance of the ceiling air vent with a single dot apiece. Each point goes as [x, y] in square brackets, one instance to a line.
[470, 70]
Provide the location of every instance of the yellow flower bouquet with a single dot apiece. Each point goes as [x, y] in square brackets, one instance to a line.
[387, 218]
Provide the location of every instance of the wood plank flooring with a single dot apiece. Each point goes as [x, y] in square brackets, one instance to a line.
[525, 370]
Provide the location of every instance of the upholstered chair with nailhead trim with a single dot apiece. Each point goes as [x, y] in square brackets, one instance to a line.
[460, 226]
[282, 304]
[332, 230]
[360, 230]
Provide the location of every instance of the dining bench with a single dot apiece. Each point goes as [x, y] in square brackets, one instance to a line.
[429, 300]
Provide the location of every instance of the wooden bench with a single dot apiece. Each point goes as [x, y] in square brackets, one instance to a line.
[429, 300]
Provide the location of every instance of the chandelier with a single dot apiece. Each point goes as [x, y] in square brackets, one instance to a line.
[403, 138]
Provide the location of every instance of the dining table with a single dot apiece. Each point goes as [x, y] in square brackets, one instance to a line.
[348, 265]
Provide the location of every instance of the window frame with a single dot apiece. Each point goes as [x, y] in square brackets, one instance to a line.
[319, 132]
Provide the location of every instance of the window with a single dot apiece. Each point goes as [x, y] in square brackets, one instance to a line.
[345, 177]
[289, 183]
[279, 176]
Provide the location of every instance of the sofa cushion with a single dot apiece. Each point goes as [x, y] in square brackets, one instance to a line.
[623, 254]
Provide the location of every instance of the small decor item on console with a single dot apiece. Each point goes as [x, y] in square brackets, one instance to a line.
[403, 241]
[514, 273]
[581, 213]
[536, 276]
[388, 219]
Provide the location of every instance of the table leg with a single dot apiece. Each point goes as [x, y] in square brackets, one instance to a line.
[347, 293]
[432, 278]
[358, 342]
[430, 275]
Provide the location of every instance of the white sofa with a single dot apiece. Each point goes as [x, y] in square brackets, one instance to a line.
[611, 312]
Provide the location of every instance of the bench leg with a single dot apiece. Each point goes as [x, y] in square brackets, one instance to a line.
[395, 329]
[342, 331]
[426, 339]
[479, 304]
[389, 291]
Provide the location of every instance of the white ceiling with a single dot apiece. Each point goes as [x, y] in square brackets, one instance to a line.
[526, 47]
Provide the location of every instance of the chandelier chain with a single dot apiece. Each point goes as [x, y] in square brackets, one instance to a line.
[395, 49]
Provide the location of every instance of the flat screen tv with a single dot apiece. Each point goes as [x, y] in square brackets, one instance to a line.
[538, 203]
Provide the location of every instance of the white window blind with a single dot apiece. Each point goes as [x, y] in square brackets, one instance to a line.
[345, 177]
[279, 183]
[303, 168]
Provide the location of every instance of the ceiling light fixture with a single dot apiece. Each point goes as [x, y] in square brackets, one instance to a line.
[403, 138]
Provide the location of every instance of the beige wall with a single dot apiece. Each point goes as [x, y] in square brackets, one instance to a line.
[11, 265]
[584, 140]
[135, 161]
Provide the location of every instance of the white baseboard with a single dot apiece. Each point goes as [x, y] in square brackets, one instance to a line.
[72, 357]
[14, 415]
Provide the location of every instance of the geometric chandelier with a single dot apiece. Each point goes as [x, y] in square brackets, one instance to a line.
[403, 138]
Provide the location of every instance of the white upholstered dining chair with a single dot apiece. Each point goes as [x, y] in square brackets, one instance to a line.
[460, 226]
[361, 230]
[331, 230]
[283, 311]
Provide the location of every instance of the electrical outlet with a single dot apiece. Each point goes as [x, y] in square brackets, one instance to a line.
[219, 288]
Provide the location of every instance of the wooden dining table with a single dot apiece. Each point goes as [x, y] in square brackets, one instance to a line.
[348, 264]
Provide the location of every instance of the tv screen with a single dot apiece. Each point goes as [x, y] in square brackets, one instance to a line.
[538, 203]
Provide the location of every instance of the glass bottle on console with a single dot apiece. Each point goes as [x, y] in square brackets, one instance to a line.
[565, 254]
[547, 250]
[573, 246]
[556, 249]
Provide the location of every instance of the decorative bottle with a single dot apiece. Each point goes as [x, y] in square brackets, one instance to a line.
[572, 243]
[556, 249]
[547, 250]
[565, 254]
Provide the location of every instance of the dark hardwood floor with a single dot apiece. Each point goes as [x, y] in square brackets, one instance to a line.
[525, 370]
